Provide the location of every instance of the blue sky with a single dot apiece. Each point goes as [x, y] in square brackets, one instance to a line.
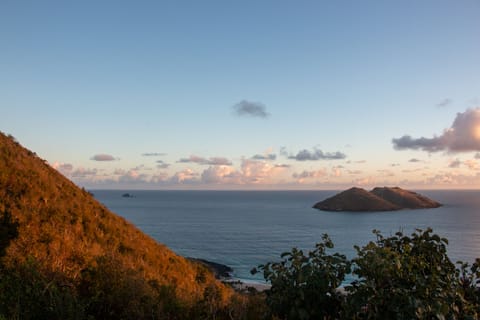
[245, 95]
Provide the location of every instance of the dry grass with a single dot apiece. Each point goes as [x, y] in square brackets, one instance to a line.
[66, 230]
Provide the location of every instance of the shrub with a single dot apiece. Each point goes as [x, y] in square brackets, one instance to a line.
[402, 277]
[397, 277]
[305, 286]
[26, 293]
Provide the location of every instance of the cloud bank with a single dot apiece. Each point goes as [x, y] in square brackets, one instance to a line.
[462, 136]
[252, 109]
[214, 161]
[316, 154]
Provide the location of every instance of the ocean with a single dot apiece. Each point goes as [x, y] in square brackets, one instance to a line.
[243, 229]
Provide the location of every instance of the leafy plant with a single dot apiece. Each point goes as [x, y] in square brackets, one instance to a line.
[305, 286]
[402, 277]
[397, 277]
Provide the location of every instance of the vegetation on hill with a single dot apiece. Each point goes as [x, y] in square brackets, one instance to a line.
[67, 256]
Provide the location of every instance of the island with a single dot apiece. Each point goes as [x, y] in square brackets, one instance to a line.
[378, 199]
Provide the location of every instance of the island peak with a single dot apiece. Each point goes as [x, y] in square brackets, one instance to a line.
[378, 199]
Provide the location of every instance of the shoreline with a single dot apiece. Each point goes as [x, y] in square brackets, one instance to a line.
[242, 285]
[224, 273]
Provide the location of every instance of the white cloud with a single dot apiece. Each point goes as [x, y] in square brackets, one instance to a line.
[337, 171]
[453, 179]
[185, 176]
[257, 172]
[64, 168]
[220, 174]
[471, 164]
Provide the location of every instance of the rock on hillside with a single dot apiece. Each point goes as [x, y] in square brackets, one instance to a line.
[379, 199]
[67, 231]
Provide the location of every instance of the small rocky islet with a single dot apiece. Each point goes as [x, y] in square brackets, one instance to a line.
[378, 199]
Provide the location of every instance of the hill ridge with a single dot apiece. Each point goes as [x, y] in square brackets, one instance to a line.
[67, 231]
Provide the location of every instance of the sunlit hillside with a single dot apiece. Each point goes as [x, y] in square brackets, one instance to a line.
[69, 234]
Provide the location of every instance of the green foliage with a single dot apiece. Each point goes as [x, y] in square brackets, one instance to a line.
[26, 293]
[468, 288]
[304, 286]
[405, 277]
[398, 277]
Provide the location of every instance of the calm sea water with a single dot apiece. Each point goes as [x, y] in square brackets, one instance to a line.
[245, 228]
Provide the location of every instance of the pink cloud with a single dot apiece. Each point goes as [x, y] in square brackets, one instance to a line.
[257, 172]
[64, 168]
[251, 172]
[214, 161]
[471, 164]
[185, 176]
[462, 136]
[221, 174]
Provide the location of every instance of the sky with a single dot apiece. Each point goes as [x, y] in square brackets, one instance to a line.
[246, 94]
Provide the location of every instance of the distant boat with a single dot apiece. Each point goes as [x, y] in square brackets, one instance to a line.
[127, 195]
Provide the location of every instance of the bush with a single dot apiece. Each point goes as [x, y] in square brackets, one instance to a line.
[26, 293]
[305, 286]
[398, 277]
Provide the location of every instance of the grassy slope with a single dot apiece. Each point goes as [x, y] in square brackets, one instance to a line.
[65, 229]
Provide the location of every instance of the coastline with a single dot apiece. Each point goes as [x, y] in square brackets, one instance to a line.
[243, 285]
[224, 273]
